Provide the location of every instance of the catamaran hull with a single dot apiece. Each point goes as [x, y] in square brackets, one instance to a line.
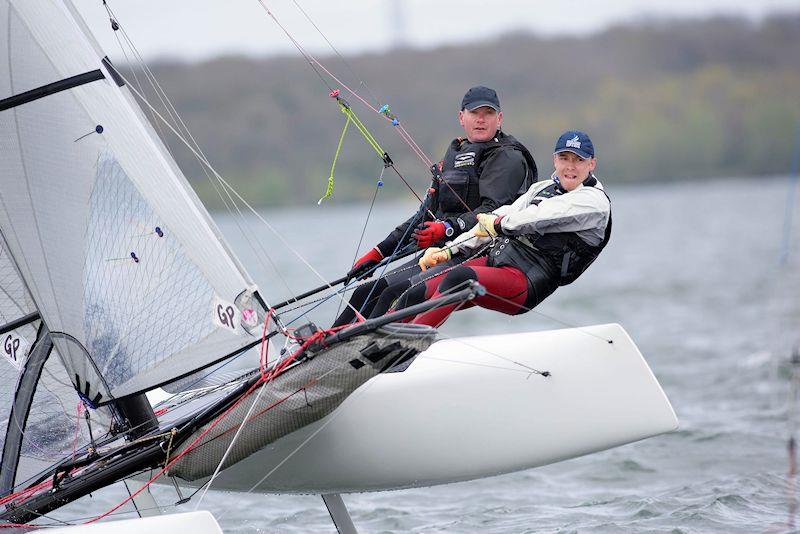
[464, 410]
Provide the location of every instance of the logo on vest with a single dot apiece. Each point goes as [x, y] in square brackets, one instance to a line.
[466, 159]
[573, 143]
[544, 194]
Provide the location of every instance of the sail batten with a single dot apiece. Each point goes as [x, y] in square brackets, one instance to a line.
[51, 88]
[16, 323]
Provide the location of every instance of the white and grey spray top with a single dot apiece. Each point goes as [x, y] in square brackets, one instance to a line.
[584, 211]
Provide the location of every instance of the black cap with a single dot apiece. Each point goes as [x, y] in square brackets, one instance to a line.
[479, 96]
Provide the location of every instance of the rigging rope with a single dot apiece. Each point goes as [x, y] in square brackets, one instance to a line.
[231, 189]
[180, 125]
[115, 27]
[365, 133]
[361, 82]
[315, 63]
[370, 139]
[281, 365]
[378, 186]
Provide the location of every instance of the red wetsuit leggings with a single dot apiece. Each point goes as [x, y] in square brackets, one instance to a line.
[506, 290]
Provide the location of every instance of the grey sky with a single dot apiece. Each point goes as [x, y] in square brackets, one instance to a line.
[199, 29]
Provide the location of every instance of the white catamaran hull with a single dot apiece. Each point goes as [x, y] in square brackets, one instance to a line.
[201, 522]
[463, 410]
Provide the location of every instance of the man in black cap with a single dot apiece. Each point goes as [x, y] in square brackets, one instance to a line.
[479, 173]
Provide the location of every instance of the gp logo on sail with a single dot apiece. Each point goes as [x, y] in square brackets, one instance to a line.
[226, 315]
[14, 348]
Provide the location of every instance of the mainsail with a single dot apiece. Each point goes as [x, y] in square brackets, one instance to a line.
[129, 273]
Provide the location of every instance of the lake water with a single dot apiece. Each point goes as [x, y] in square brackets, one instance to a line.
[692, 272]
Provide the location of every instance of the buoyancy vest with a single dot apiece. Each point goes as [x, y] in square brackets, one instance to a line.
[459, 173]
[564, 256]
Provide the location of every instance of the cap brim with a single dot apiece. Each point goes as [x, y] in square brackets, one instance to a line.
[481, 104]
[581, 153]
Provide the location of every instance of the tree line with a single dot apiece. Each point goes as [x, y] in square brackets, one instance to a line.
[662, 100]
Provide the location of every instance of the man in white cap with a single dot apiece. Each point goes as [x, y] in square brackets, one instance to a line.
[545, 239]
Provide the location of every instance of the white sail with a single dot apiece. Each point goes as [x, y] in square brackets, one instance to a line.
[39, 423]
[124, 264]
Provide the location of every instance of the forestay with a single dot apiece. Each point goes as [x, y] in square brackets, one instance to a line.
[127, 269]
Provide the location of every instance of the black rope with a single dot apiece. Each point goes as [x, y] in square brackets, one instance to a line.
[393, 254]
[423, 280]
[364, 227]
[307, 57]
[422, 201]
[559, 321]
[342, 290]
[361, 82]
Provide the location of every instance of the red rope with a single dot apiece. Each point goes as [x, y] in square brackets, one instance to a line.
[314, 61]
[178, 457]
[262, 412]
[276, 371]
[26, 493]
[266, 376]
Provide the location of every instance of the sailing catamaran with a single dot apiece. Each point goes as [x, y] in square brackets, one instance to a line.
[115, 282]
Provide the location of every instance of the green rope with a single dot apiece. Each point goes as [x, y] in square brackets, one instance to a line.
[368, 137]
[329, 189]
[363, 129]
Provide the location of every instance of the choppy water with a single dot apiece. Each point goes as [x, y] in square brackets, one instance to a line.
[692, 273]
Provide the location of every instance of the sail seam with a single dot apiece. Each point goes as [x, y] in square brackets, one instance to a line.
[12, 103]
[36, 225]
[51, 88]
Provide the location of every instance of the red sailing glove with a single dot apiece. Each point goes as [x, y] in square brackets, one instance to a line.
[366, 261]
[429, 233]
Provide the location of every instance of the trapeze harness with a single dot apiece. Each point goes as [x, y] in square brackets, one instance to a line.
[518, 272]
[459, 174]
